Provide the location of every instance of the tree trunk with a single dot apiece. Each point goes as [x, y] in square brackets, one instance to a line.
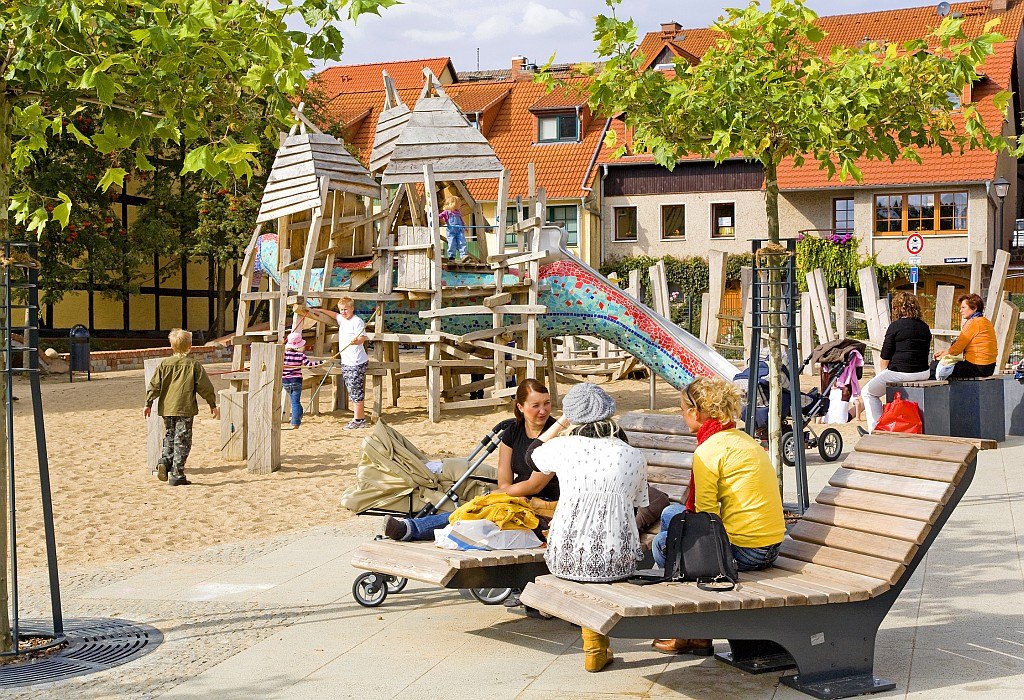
[774, 326]
[6, 126]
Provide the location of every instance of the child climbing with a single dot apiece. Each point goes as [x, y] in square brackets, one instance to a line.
[291, 378]
[451, 216]
[353, 358]
[176, 382]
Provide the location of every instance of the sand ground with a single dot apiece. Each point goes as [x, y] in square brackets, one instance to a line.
[108, 507]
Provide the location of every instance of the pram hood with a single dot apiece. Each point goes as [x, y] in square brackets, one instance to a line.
[837, 351]
[391, 469]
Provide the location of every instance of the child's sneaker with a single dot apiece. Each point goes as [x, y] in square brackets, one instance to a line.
[356, 423]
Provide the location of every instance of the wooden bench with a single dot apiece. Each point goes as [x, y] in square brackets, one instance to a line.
[668, 447]
[840, 570]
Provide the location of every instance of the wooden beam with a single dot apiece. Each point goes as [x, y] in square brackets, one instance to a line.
[474, 310]
[263, 430]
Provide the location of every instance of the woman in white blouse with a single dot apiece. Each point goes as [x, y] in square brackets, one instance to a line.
[593, 535]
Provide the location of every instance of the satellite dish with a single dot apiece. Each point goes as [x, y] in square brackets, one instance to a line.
[943, 9]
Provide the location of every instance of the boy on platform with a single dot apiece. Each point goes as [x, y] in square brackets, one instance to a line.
[176, 382]
[353, 358]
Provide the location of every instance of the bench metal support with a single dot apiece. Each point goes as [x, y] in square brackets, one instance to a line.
[832, 645]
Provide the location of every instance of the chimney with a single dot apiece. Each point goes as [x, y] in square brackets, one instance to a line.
[669, 30]
[999, 5]
[522, 69]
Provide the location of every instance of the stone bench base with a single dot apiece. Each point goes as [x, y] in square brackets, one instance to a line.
[972, 408]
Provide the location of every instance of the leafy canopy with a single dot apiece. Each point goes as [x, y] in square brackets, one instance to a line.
[215, 75]
[764, 91]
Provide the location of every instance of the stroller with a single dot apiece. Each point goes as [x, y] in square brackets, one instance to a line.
[393, 479]
[834, 359]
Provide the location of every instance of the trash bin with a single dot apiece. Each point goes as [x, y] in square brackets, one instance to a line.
[78, 360]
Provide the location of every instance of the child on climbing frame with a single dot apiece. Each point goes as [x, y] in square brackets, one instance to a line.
[176, 382]
[353, 358]
[451, 216]
[291, 377]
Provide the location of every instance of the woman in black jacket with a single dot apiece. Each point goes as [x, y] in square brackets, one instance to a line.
[905, 353]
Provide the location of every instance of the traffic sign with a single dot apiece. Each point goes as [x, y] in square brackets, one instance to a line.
[915, 243]
[914, 260]
[914, 273]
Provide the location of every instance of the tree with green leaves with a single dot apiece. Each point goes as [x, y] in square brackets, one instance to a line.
[213, 74]
[764, 91]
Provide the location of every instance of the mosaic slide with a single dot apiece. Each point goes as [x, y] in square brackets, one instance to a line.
[579, 299]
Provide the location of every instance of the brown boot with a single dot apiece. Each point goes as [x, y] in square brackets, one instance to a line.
[697, 647]
[596, 654]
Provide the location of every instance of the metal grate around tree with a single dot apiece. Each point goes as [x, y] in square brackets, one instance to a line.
[93, 645]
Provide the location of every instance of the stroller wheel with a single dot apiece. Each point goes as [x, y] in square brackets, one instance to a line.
[830, 445]
[491, 596]
[396, 584]
[789, 448]
[370, 589]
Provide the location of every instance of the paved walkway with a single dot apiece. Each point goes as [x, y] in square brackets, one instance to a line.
[276, 619]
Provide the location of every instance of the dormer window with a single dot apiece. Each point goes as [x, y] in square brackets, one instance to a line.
[553, 128]
[474, 119]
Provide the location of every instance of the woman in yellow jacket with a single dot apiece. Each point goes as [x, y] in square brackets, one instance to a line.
[732, 478]
[976, 342]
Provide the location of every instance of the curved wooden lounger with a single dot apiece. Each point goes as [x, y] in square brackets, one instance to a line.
[668, 448]
[840, 570]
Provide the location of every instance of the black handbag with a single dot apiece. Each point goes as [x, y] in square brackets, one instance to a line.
[697, 549]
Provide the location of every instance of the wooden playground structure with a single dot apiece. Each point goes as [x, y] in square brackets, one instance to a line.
[341, 234]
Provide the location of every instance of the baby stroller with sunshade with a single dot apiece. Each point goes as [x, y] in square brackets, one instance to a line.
[834, 359]
[395, 478]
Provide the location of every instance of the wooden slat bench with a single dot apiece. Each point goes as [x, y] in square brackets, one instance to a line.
[668, 447]
[839, 572]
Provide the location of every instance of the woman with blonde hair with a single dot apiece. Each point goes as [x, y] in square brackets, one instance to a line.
[732, 478]
[904, 353]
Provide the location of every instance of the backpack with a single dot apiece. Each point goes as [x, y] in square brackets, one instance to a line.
[697, 549]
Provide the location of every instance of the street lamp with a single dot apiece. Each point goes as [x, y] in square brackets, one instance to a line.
[1002, 187]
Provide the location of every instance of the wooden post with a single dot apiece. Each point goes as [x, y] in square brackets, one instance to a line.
[634, 284]
[501, 213]
[943, 316]
[155, 424]
[263, 431]
[806, 330]
[876, 328]
[842, 322]
[436, 299]
[1000, 268]
[820, 307]
[976, 271]
[1006, 329]
[233, 404]
[705, 305]
[716, 289]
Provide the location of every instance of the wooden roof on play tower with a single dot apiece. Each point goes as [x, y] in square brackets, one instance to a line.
[300, 163]
[439, 134]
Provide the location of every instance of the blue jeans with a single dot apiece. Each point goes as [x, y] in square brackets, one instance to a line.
[747, 558]
[423, 528]
[294, 389]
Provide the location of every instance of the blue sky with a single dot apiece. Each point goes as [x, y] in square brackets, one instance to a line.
[531, 28]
